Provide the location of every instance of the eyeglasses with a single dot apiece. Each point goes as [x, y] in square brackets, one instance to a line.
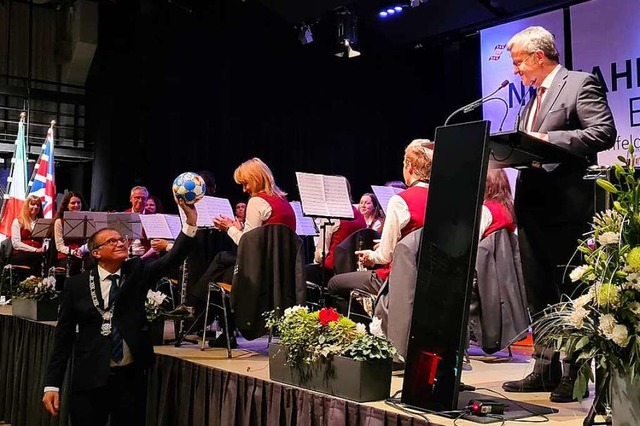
[517, 64]
[113, 242]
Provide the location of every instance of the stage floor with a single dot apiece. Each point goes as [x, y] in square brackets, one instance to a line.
[251, 359]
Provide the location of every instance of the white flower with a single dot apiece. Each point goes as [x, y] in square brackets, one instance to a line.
[620, 335]
[635, 308]
[361, 329]
[51, 281]
[577, 273]
[577, 317]
[607, 323]
[375, 327]
[583, 300]
[633, 281]
[293, 309]
[609, 238]
[155, 298]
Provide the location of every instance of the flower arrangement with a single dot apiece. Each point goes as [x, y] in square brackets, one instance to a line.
[312, 336]
[154, 305]
[603, 324]
[37, 288]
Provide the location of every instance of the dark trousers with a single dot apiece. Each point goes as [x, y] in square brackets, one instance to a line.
[220, 270]
[122, 400]
[313, 273]
[28, 258]
[553, 210]
[340, 287]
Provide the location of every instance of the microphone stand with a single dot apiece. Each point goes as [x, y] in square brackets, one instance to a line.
[475, 104]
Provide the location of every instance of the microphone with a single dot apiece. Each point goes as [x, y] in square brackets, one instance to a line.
[475, 104]
[518, 117]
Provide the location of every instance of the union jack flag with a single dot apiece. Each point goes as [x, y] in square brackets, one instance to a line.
[43, 182]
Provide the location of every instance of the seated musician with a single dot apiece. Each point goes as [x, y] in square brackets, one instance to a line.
[27, 251]
[405, 213]
[69, 251]
[267, 205]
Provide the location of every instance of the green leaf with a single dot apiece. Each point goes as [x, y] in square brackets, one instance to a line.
[582, 342]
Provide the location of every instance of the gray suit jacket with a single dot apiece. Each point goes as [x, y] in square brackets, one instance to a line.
[575, 114]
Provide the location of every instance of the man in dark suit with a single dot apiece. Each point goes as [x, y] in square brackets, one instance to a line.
[553, 203]
[112, 350]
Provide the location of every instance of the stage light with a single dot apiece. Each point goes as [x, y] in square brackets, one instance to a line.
[383, 14]
[346, 51]
[392, 9]
[305, 36]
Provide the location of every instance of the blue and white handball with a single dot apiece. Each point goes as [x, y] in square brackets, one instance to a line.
[190, 187]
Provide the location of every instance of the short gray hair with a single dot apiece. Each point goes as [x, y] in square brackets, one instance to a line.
[535, 39]
[140, 188]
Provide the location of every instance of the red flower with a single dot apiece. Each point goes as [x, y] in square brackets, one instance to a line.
[327, 315]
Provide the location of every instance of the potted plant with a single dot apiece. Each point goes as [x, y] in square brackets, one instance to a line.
[155, 310]
[603, 324]
[327, 352]
[35, 298]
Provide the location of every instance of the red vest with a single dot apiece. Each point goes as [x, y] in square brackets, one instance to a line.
[346, 228]
[25, 237]
[281, 211]
[416, 199]
[501, 218]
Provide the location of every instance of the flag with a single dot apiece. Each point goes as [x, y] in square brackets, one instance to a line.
[43, 183]
[16, 182]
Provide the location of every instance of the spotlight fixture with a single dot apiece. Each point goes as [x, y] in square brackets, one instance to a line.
[346, 33]
[305, 36]
[346, 51]
[391, 10]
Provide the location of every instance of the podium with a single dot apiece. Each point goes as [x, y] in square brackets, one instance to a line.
[447, 255]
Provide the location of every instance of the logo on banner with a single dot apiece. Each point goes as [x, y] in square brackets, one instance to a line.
[498, 50]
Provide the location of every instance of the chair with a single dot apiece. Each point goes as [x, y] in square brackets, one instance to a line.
[269, 274]
[368, 302]
[501, 316]
[6, 249]
[224, 290]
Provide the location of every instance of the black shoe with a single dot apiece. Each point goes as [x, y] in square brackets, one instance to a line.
[221, 342]
[181, 311]
[534, 382]
[564, 391]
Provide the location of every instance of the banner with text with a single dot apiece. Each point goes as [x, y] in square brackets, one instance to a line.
[612, 53]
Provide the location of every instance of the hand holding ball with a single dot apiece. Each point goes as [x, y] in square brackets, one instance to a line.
[189, 187]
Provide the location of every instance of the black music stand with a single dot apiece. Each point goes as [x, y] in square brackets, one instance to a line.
[447, 255]
[42, 230]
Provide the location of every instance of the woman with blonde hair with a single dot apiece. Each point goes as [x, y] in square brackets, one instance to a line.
[267, 205]
[26, 250]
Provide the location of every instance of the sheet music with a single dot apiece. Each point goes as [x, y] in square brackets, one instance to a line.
[304, 224]
[384, 193]
[209, 208]
[164, 226]
[324, 196]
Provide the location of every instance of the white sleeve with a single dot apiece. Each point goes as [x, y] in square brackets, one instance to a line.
[57, 235]
[398, 216]
[258, 210]
[485, 220]
[16, 240]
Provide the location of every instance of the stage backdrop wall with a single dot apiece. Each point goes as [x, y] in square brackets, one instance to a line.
[496, 66]
[605, 41]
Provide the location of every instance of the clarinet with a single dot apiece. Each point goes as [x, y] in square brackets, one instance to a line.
[359, 245]
[183, 297]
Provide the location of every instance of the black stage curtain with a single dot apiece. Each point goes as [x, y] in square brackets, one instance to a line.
[182, 393]
[25, 347]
